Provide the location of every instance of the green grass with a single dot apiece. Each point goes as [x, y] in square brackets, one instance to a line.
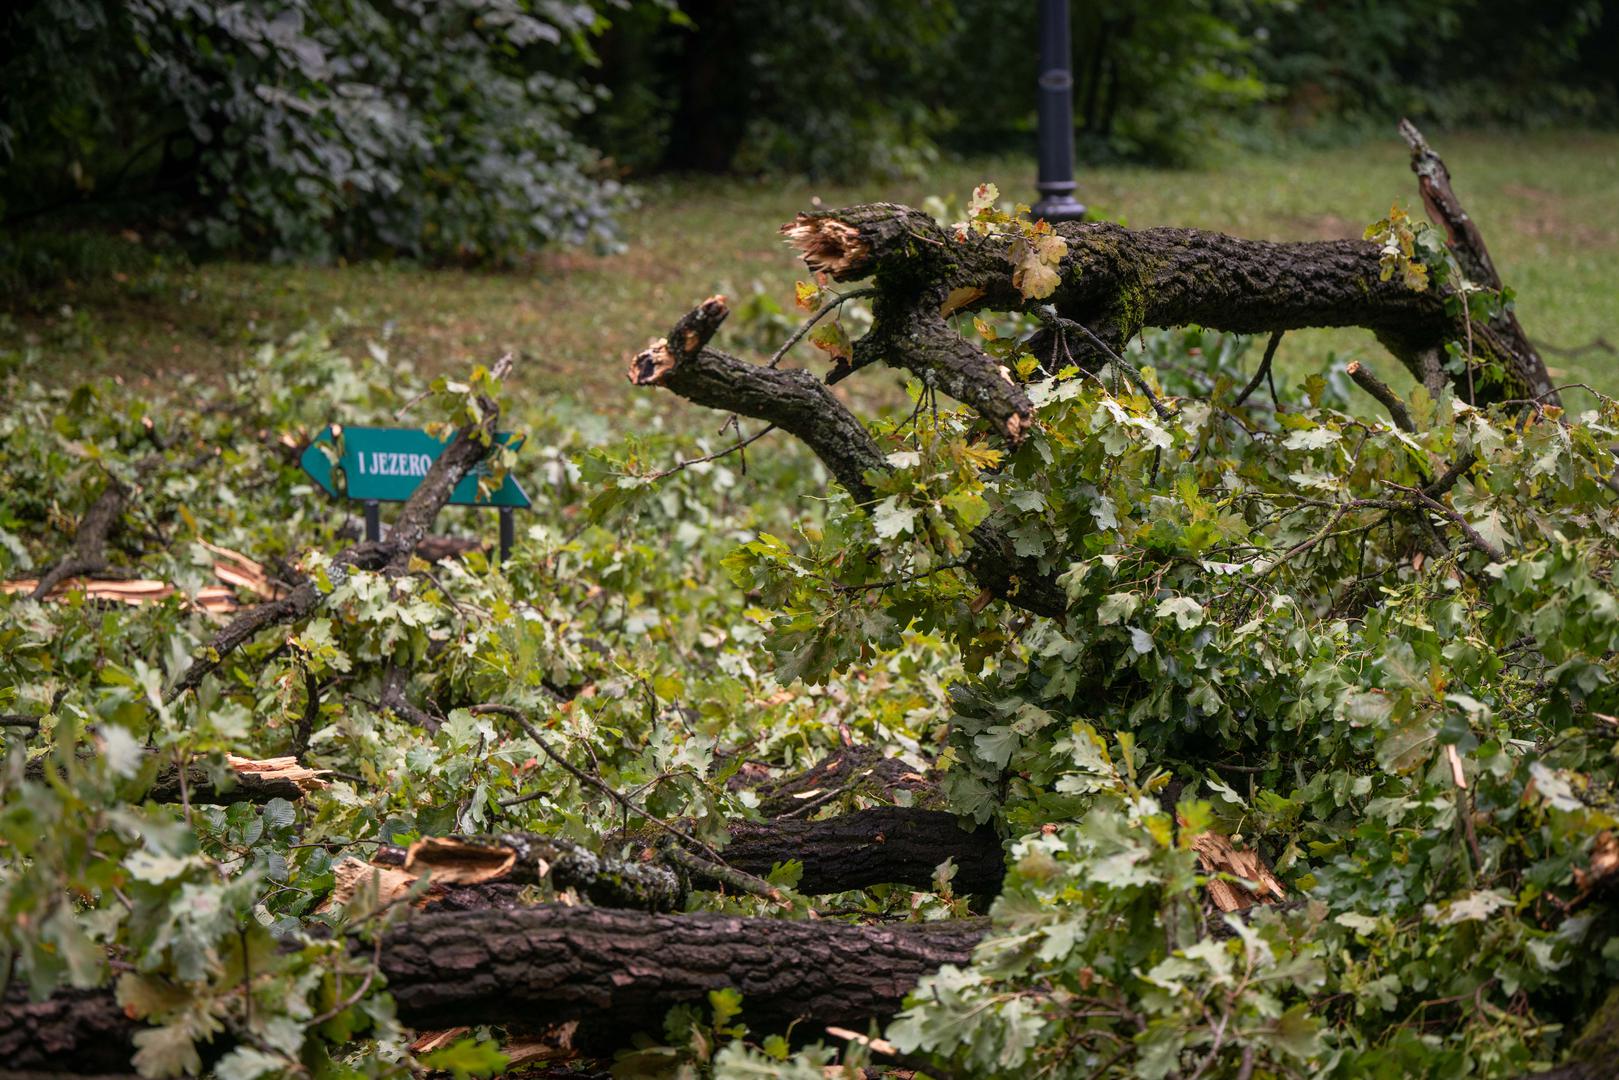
[1546, 202]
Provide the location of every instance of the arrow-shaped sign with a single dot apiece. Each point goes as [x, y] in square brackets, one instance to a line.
[388, 464]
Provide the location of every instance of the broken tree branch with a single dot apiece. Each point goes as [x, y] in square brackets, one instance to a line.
[1384, 396]
[89, 552]
[793, 400]
[1504, 337]
[1120, 280]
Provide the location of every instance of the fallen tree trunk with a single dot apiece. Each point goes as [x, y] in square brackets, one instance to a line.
[615, 972]
[620, 971]
[77, 1032]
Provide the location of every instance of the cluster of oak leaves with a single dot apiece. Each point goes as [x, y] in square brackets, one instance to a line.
[1415, 727]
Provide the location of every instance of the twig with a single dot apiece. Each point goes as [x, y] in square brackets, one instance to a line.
[1264, 369]
[905, 579]
[1448, 478]
[1386, 397]
[1599, 344]
[1474, 537]
[808, 324]
[715, 456]
[725, 875]
[306, 723]
[1118, 361]
[593, 781]
[365, 984]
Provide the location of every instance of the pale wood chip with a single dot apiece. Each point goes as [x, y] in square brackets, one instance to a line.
[234, 568]
[550, 1045]
[881, 1046]
[428, 1041]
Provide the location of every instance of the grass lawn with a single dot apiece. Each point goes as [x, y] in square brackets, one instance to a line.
[1548, 204]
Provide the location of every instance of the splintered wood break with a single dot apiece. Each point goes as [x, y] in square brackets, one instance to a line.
[1216, 854]
[350, 875]
[231, 567]
[279, 768]
[828, 246]
[456, 862]
[653, 364]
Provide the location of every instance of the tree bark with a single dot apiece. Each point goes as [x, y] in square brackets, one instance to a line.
[616, 972]
[882, 845]
[254, 785]
[72, 1031]
[847, 771]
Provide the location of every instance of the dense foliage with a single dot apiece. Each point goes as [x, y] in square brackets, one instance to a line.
[1382, 659]
[442, 130]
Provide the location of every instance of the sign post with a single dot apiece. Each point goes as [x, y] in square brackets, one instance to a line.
[376, 465]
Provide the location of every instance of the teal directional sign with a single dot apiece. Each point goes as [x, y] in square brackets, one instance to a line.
[387, 465]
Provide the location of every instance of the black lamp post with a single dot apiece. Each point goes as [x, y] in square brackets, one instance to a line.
[1056, 183]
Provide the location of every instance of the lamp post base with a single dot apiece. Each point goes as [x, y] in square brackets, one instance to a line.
[1058, 208]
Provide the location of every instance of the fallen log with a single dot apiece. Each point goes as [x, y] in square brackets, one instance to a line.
[885, 845]
[617, 971]
[614, 972]
[77, 1032]
[882, 845]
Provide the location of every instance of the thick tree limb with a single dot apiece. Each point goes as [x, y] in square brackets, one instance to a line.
[76, 1032]
[1119, 280]
[888, 845]
[618, 971]
[1380, 390]
[881, 845]
[517, 859]
[89, 551]
[615, 972]
[914, 336]
[797, 402]
[793, 400]
[1466, 243]
[1113, 282]
[395, 697]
